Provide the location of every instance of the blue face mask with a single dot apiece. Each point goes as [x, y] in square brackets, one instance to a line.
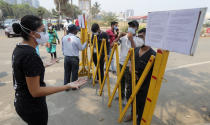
[131, 30]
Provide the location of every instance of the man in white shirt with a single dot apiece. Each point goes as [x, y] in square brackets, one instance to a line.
[128, 41]
[71, 45]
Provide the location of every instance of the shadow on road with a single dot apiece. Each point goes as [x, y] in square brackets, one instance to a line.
[3, 74]
[184, 99]
[2, 84]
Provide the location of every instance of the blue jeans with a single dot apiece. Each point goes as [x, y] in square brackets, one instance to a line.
[71, 67]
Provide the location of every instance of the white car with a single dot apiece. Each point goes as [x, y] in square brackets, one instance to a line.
[8, 22]
[9, 31]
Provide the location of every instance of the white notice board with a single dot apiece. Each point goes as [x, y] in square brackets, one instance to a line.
[176, 30]
[81, 19]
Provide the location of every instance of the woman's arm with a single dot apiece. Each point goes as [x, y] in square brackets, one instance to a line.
[56, 35]
[36, 90]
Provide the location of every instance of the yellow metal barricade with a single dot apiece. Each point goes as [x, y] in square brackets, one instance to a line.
[155, 85]
[133, 76]
[84, 62]
[91, 65]
[137, 87]
[98, 63]
[119, 78]
[159, 62]
[108, 63]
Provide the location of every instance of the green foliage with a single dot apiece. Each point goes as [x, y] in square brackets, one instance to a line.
[108, 18]
[20, 10]
[124, 28]
[71, 10]
[55, 13]
[207, 24]
[95, 10]
[67, 9]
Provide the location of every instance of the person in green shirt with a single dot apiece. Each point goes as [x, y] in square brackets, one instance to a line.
[52, 42]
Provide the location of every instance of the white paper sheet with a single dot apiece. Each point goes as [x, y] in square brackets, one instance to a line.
[173, 30]
[81, 21]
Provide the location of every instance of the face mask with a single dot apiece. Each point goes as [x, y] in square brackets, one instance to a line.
[140, 42]
[115, 28]
[43, 38]
[96, 33]
[131, 30]
[50, 28]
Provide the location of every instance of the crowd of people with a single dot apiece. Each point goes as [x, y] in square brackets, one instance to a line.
[132, 39]
[28, 68]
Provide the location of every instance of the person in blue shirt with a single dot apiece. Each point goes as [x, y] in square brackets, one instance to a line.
[71, 46]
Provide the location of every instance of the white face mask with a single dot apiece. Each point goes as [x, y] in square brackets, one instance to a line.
[131, 30]
[43, 38]
[141, 42]
[96, 33]
[50, 28]
[115, 28]
[43, 35]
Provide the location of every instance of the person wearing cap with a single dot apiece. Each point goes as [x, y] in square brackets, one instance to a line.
[71, 45]
[127, 41]
[100, 36]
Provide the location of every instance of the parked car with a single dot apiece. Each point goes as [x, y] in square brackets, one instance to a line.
[9, 22]
[1, 25]
[9, 31]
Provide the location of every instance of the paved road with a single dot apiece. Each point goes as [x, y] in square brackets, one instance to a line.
[184, 98]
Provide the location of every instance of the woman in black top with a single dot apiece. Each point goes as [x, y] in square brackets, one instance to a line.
[28, 73]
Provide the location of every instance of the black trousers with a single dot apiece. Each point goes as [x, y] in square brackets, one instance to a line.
[33, 113]
[71, 67]
[101, 66]
[126, 83]
[53, 54]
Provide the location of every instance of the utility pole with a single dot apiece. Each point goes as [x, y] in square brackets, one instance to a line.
[59, 7]
[72, 11]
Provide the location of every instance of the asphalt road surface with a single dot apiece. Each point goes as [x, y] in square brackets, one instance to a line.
[184, 97]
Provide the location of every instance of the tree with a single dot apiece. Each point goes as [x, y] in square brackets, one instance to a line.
[72, 11]
[1, 14]
[95, 10]
[41, 12]
[6, 9]
[20, 10]
[109, 17]
[55, 13]
[67, 9]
